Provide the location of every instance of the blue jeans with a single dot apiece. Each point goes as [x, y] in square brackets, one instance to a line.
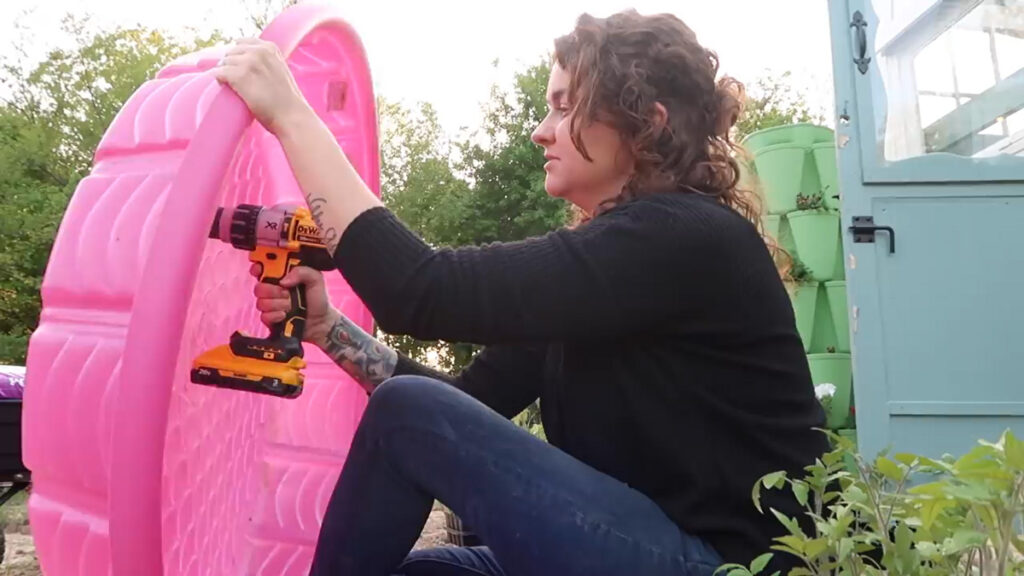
[538, 510]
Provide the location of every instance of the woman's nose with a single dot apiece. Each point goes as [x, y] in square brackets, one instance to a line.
[541, 134]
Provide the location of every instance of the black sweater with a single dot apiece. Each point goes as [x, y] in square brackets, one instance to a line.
[658, 337]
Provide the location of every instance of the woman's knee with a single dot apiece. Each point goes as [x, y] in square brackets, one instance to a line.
[405, 398]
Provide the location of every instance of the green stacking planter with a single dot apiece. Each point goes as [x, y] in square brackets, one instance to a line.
[816, 236]
[835, 292]
[777, 227]
[805, 306]
[835, 369]
[801, 134]
[824, 154]
[773, 226]
[789, 161]
[780, 169]
[840, 269]
[824, 328]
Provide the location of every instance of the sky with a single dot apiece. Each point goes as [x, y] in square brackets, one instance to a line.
[443, 51]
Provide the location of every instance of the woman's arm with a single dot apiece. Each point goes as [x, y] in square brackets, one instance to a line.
[630, 271]
[368, 361]
[336, 194]
[507, 379]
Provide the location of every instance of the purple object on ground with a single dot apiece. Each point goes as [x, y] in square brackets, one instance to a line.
[12, 381]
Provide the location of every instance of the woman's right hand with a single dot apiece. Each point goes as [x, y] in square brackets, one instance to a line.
[273, 302]
[364, 358]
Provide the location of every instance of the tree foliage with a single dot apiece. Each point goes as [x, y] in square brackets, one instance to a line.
[260, 13]
[52, 117]
[772, 100]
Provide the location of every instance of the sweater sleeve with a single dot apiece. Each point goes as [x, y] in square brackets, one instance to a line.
[619, 273]
[507, 379]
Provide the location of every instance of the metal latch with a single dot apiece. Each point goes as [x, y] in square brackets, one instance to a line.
[864, 230]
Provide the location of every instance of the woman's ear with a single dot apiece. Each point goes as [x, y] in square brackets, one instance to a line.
[659, 117]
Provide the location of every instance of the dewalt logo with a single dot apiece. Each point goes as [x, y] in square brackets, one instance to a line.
[307, 230]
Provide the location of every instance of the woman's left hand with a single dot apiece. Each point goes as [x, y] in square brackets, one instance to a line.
[257, 71]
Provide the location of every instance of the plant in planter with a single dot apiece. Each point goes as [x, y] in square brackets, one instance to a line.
[903, 514]
[804, 296]
[815, 232]
[825, 392]
[810, 201]
[824, 154]
[835, 369]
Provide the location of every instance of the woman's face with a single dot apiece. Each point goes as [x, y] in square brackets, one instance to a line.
[570, 176]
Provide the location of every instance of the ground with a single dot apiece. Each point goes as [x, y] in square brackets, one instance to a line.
[21, 559]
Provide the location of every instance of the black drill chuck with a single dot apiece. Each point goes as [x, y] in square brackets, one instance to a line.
[215, 228]
[240, 229]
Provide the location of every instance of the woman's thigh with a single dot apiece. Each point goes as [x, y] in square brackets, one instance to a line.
[538, 509]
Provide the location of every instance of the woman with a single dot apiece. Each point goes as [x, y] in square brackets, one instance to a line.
[657, 335]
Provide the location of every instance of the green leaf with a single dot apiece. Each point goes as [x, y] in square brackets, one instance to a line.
[930, 511]
[774, 480]
[1014, 451]
[790, 523]
[962, 540]
[760, 562]
[970, 492]
[841, 523]
[786, 549]
[903, 537]
[815, 547]
[845, 549]
[929, 550]
[755, 496]
[793, 543]
[905, 458]
[800, 490]
[855, 495]
[771, 480]
[981, 462]
[934, 466]
[889, 469]
[928, 489]
[831, 459]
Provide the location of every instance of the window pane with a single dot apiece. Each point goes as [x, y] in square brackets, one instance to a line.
[948, 76]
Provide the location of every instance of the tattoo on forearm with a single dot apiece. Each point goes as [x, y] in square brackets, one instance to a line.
[329, 234]
[363, 357]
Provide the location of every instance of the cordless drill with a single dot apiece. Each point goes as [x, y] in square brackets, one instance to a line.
[279, 238]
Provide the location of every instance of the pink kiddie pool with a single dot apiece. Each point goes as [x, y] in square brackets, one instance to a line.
[137, 471]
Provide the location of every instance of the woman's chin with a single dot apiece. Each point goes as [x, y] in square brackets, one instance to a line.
[555, 190]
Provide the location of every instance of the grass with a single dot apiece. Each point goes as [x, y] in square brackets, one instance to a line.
[15, 512]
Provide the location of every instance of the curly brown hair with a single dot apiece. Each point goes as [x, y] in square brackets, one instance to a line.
[620, 67]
